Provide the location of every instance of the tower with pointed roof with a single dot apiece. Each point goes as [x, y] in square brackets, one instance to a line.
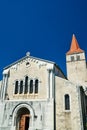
[76, 63]
[36, 95]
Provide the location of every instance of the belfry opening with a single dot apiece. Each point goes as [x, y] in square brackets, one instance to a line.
[23, 119]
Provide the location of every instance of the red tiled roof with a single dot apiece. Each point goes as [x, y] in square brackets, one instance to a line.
[74, 46]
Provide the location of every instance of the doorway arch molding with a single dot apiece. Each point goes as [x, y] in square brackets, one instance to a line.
[20, 105]
[17, 108]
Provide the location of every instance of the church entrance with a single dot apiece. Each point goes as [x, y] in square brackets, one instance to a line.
[24, 122]
[23, 119]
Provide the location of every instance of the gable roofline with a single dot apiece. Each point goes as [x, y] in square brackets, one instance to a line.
[28, 57]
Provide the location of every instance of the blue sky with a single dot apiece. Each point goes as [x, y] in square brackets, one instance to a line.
[42, 27]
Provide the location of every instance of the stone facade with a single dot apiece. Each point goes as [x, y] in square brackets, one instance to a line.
[68, 119]
[36, 95]
[76, 68]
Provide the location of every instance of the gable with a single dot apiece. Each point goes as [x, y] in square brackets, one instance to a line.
[29, 57]
[33, 69]
[28, 65]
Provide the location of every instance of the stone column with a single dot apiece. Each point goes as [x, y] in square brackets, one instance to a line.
[51, 83]
[51, 86]
[2, 88]
[4, 84]
[48, 85]
[18, 87]
[33, 86]
[50, 89]
[5, 78]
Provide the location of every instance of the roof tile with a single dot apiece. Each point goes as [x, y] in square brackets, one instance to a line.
[74, 46]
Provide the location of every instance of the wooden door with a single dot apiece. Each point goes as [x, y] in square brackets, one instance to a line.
[24, 122]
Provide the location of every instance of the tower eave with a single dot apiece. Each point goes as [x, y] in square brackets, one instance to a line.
[75, 51]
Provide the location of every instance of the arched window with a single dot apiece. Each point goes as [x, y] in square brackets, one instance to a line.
[31, 86]
[21, 87]
[16, 87]
[26, 85]
[67, 102]
[36, 86]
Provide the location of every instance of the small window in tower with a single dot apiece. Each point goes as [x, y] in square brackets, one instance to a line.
[67, 102]
[72, 58]
[78, 57]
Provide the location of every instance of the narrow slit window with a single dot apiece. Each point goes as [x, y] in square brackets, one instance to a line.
[78, 58]
[26, 84]
[36, 86]
[72, 58]
[31, 86]
[16, 87]
[67, 102]
[21, 87]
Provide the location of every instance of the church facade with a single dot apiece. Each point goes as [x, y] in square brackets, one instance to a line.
[36, 95]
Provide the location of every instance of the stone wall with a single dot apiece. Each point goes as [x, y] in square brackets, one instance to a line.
[34, 70]
[42, 117]
[68, 119]
[76, 69]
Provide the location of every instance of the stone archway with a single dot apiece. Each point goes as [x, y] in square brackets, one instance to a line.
[25, 112]
[23, 119]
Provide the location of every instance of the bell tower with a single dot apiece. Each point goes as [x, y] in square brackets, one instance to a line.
[76, 62]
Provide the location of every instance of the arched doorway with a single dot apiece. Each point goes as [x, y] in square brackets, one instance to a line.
[23, 119]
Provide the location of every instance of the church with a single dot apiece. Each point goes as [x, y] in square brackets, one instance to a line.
[36, 95]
